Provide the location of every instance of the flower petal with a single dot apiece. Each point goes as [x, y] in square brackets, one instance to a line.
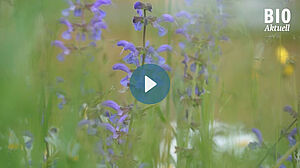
[164, 47]
[113, 105]
[122, 67]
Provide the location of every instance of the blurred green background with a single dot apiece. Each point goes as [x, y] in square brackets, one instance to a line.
[252, 90]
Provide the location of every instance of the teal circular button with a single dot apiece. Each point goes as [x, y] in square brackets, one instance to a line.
[149, 84]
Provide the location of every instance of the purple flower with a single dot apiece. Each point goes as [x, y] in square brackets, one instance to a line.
[111, 129]
[138, 25]
[291, 137]
[99, 3]
[127, 45]
[185, 62]
[96, 34]
[60, 57]
[113, 118]
[113, 105]
[77, 12]
[62, 102]
[166, 67]
[67, 34]
[184, 14]
[139, 12]
[59, 79]
[258, 135]
[181, 45]
[122, 119]
[152, 56]
[125, 81]
[84, 122]
[121, 67]
[161, 30]
[282, 166]
[132, 58]
[66, 12]
[28, 140]
[225, 38]
[164, 47]
[193, 67]
[139, 5]
[61, 45]
[99, 14]
[288, 108]
[183, 32]
[166, 18]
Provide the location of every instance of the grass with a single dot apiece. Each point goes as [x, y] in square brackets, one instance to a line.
[248, 89]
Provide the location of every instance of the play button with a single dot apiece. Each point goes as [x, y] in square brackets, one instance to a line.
[149, 84]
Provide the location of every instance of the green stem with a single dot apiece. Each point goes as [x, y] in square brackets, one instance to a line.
[270, 149]
[286, 155]
[144, 37]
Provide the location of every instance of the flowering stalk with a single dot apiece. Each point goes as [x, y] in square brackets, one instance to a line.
[144, 38]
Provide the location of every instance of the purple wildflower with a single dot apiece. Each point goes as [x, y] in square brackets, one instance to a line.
[113, 105]
[66, 12]
[77, 12]
[193, 67]
[62, 102]
[161, 30]
[59, 79]
[127, 45]
[164, 47]
[67, 34]
[185, 62]
[258, 135]
[288, 108]
[181, 45]
[138, 5]
[84, 122]
[122, 119]
[138, 26]
[184, 14]
[291, 137]
[97, 4]
[166, 67]
[61, 45]
[282, 166]
[121, 67]
[166, 18]
[132, 57]
[111, 129]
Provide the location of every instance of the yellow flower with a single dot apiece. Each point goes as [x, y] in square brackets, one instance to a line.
[13, 146]
[13, 141]
[288, 70]
[282, 54]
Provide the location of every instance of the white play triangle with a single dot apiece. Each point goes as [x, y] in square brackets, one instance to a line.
[149, 84]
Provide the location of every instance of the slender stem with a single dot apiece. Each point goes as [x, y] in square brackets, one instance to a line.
[270, 149]
[144, 38]
[286, 155]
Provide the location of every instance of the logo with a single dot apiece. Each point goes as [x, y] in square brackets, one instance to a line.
[278, 20]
